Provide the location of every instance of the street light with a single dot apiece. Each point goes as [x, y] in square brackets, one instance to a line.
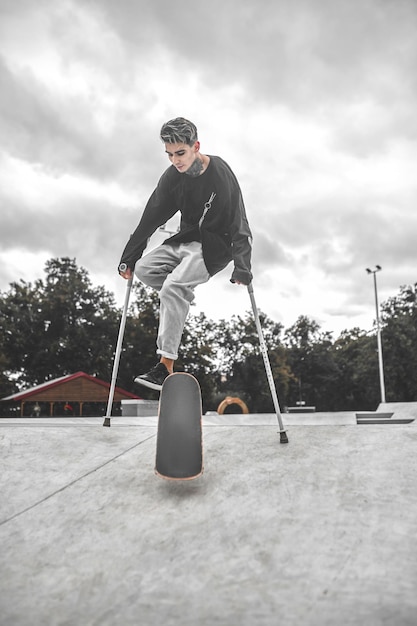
[378, 329]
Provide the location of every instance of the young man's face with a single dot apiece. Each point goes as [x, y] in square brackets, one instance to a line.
[181, 155]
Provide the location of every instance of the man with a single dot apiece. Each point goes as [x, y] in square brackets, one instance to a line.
[213, 231]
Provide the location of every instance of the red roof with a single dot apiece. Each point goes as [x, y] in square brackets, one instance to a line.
[88, 385]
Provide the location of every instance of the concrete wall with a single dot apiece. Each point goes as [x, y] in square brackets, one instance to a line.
[139, 408]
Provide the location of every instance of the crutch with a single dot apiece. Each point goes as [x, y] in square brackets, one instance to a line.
[283, 434]
[118, 346]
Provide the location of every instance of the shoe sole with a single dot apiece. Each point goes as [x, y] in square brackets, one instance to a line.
[148, 383]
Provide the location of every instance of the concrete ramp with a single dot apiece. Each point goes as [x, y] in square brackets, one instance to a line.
[401, 410]
[316, 532]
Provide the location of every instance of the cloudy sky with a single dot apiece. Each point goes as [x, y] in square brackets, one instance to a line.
[312, 103]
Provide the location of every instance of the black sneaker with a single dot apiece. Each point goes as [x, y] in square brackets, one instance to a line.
[154, 378]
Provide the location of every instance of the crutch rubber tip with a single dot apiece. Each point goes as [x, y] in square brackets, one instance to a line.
[283, 437]
[106, 422]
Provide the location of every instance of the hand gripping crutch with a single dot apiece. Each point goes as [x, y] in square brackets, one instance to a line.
[283, 434]
[118, 348]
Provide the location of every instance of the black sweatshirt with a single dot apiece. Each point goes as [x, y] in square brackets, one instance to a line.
[224, 232]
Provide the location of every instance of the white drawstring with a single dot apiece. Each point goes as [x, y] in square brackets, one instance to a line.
[207, 207]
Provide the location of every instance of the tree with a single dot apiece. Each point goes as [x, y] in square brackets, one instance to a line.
[139, 342]
[399, 340]
[357, 386]
[21, 326]
[198, 354]
[7, 385]
[64, 324]
[57, 326]
[300, 339]
[241, 362]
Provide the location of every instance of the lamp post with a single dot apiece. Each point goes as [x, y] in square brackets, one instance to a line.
[378, 329]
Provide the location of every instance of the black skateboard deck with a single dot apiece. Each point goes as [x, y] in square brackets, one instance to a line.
[179, 445]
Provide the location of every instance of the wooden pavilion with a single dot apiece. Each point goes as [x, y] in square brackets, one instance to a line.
[69, 395]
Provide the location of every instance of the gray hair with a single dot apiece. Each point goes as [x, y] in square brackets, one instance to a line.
[179, 130]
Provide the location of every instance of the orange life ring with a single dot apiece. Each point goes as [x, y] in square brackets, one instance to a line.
[229, 400]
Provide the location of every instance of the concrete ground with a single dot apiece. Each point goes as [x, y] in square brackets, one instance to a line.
[320, 531]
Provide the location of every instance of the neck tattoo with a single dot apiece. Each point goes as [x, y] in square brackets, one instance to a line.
[196, 168]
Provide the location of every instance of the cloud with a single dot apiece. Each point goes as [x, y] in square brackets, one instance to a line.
[312, 103]
[305, 53]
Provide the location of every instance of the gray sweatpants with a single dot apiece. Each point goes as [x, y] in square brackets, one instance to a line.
[174, 271]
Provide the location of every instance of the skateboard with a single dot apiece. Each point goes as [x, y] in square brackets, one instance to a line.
[179, 445]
